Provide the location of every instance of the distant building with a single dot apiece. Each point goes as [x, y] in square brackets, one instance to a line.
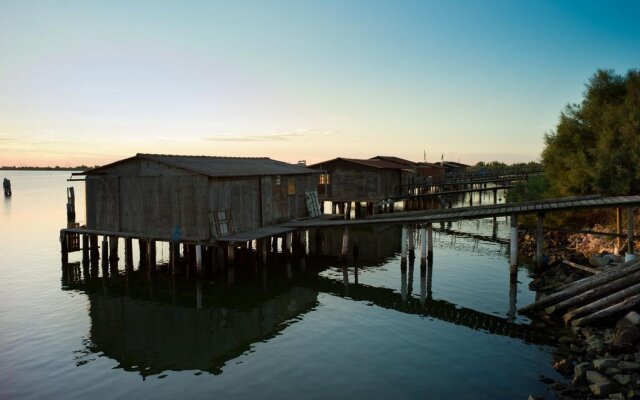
[348, 180]
[452, 167]
[199, 198]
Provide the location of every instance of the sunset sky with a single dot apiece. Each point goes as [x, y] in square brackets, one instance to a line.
[91, 82]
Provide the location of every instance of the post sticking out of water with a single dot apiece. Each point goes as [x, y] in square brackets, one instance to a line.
[151, 251]
[105, 252]
[71, 207]
[540, 242]
[410, 244]
[630, 230]
[85, 249]
[513, 254]
[128, 253]
[288, 240]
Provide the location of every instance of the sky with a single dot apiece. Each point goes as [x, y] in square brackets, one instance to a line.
[91, 82]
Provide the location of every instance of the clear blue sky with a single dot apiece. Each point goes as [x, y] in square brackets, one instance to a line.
[92, 82]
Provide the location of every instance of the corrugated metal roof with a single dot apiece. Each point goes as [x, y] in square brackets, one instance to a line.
[222, 166]
[395, 159]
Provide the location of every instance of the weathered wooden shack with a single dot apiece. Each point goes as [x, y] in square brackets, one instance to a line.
[435, 171]
[194, 198]
[350, 180]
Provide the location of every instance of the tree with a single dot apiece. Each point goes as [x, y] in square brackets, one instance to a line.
[596, 145]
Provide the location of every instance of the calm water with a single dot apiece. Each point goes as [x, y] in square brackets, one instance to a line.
[300, 329]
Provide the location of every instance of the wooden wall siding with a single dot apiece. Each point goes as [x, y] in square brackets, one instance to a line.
[102, 203]
[266, 183]
[241, 195]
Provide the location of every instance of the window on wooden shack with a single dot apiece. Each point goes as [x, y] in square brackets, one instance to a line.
[223, 222]
[291, 189]
[278, 180]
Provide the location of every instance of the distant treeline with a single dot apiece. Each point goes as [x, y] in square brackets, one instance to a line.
[56, 168]
[500, 166]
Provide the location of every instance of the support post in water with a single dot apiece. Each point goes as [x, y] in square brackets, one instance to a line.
[64, 250]
[513, 254]
[630, 248]
[128, 253]
[105, 252]
[540, 242]
[411, 253]
[151, 251]
[288, 241]
[85, 248]
[93, 244]
[113, 249]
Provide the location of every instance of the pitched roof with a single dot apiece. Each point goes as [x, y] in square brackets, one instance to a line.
[375, 163]
[219, 166]
[394, 159]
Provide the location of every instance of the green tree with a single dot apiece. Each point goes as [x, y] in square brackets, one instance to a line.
[596, 145]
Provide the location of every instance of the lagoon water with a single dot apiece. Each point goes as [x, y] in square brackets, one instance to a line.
[314, 328]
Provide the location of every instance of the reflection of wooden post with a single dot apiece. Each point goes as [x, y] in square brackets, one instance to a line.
[93, 244]
[618, 231]
[199, 260]
[113, 249]
[403, 242]
[105, 251]
[430, 242]
[540, 242]
[423, 246]
[630, 229]
[345, 243]
[231, 253]
[64, 249]
[514, 240]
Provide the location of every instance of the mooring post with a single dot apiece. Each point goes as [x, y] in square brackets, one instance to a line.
[540, 242]
[514, 240]
[423, 246]
[199, 260]
[345, 242]
[630, 247]
[616, 250]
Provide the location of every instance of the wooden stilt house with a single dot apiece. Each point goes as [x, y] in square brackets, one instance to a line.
[195, 198]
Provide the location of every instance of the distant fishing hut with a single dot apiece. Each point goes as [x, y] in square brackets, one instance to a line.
[192, 200]
[344, 181]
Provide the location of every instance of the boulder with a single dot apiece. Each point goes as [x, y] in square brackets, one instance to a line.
[601, 389]
[631, 319]
[597, 377]
[623, 379]
[604, 363]
[630, 334]
[599, 261]
[629, 365]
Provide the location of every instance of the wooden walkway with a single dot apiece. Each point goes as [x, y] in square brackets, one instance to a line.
[478, 212]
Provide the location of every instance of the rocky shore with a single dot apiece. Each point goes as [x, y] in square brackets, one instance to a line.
[599, 361]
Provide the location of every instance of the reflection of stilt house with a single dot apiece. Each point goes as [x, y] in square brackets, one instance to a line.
[347, 180]
[202, 198]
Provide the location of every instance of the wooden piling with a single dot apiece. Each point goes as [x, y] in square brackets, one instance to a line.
[85, 249]
[105, 251]
[403, 242]
[128, 253]
[231, 253]
[142, 247]
[513, 254]
[113, 249]
[430, 242]
[93, 245]
[151, 252]
[618, 231]
[423, 246]
[288, 241]
[345, 242]
[64, 249]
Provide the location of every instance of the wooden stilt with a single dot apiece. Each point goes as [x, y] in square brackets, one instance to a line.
[345, 243]
[113, 249]
[618, 231]
[64, 250]
[85, 249]
[288, 243]
[423, 246]
[142, 246]
[403, 242]
[151, 251]
[231, 253]
[514, 241]
[105, 251]
[93, 244]
[430, 242]
[128, 253]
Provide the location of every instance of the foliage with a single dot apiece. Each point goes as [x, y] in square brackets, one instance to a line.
[596, 145]
[534, 189]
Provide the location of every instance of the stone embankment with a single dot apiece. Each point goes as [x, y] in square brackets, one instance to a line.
[599, 356]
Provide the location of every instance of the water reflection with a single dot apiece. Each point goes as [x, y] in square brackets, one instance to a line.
[151, 323]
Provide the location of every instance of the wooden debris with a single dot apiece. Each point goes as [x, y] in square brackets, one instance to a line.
[627, 304]
[582, 267]
[602, 303]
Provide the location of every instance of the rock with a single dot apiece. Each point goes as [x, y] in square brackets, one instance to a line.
[629, 365]
[629, 334]
[612, 371]
[579, 372]
[623, 379]
[631, 319]
[597, 377]
[616, 396]
[595, 343]
[601, 389]
[560, 364]
[532, 397]
[604, 363]
[546, 379]
[599, 261]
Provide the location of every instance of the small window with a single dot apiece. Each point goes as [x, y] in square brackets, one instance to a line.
[292, 186]
[278, 180]
[223, 222]
[324, 179]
